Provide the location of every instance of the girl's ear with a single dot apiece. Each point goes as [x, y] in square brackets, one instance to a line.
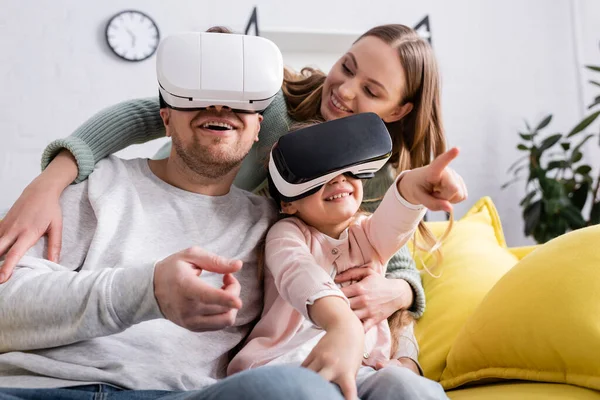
[399, 112]
[288, 208]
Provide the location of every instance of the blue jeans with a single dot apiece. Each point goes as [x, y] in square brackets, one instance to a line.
[265, 383]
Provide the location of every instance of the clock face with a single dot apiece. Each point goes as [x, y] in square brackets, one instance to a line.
[132, 35]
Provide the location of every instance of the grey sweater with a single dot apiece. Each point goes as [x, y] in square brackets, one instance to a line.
[94, 317]
[139, 121]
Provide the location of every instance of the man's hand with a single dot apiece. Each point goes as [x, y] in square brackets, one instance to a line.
[436, 186]
[189, 302]
[338, 355]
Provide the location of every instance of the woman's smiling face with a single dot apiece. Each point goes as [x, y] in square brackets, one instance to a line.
[368, 78]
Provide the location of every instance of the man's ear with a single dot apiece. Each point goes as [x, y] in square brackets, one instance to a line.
[165, 114]
[288, 208]
[399, 112]
[260, 120]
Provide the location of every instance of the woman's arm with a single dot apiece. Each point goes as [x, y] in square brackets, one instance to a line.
[110, 130]
[402, 266]
[37, 211]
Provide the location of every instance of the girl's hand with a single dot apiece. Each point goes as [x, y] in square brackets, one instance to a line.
[436, 186]
[337, 357]
[36, 213]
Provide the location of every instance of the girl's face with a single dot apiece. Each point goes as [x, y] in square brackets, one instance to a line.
[331, 209]
[368, 78]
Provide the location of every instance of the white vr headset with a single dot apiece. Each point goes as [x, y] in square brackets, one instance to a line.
[198, 70]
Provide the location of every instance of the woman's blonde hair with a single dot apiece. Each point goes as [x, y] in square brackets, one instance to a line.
[418, 137]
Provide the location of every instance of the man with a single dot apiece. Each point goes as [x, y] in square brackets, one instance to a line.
[157, 282]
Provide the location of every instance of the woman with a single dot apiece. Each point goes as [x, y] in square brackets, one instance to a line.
[389, 70]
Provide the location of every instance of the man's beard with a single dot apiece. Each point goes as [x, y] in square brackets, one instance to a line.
[212, 163]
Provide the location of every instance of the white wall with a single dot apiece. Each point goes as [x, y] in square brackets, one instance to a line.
[502, 62]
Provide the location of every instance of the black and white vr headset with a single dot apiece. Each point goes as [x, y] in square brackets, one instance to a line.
[198, 70]
[303, 161]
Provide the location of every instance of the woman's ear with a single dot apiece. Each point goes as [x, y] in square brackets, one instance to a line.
[288, 208]
[399, 112]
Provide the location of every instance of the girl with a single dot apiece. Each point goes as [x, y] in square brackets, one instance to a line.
[325, 235]
[389, 70]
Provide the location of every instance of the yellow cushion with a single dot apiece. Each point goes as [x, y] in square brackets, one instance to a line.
[541, 322]
[524, 391]
[475, 257]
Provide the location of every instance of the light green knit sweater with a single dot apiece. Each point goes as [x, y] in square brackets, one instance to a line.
[139, 121]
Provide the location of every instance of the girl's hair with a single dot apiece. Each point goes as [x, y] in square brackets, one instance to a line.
[419, 136]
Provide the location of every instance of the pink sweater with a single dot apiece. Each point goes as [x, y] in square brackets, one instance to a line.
[300, 265]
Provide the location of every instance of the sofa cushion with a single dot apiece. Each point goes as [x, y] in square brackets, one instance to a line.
[475, 257]
[524, 391]
[541, 322]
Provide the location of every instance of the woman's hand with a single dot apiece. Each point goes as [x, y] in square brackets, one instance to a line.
[37, 212]
[373, 297]
[436, 186]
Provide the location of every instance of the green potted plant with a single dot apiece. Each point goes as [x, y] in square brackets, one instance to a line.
[558, 182]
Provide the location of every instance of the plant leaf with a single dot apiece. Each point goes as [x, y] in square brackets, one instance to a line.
[595, 214]
[532, 214]
[522, 147]
[536, 173]
[556, 164]
[576, 157]
[587, 121]
[593, 67]
[551, 189]
[595, 103]
[549, 142]
[527, 199]
[520, 160]
[580, 196]
[566, 146]
[529, 127]
[544, 123]
[595, 83]
[573, 217]
[576, 148]
[583, 170]
[527, 136]
[507, 184]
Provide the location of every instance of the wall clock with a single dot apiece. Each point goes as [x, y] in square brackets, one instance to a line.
[132, 35]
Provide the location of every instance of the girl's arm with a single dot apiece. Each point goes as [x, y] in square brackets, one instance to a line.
[338, 355]
[401, 267]
[393, 223]
[310, 290]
